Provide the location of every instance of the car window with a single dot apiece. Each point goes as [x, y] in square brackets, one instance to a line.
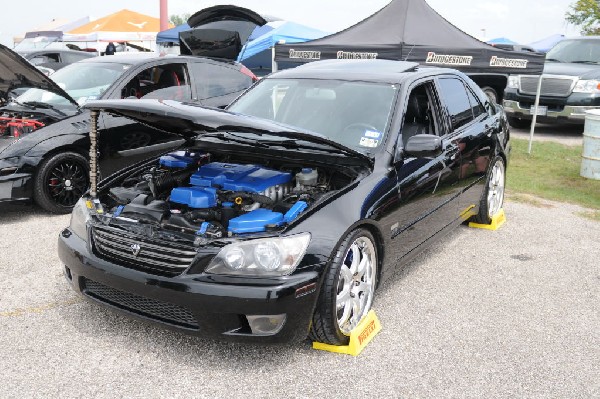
[476, 105]
[163, 82]
[74, 57]
[457, 102]
[420, 115]
[218, 80]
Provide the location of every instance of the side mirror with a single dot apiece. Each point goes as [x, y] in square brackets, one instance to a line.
[423, 146]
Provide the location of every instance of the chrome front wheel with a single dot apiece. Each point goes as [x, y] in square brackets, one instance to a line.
[348, 289]
[493, 194]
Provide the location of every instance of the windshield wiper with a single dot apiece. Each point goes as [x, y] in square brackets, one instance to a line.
[584, 62]
[39, 104]
[235, 139]
[553, 60]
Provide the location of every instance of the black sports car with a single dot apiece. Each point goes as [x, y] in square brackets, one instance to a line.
[44, 142]
[281, 215]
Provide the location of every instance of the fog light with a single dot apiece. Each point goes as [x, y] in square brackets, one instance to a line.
[266, 324]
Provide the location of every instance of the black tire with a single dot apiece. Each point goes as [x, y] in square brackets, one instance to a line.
[491, 93]
[518, 123]
[325, 325]
[494, 183]
[60, 181]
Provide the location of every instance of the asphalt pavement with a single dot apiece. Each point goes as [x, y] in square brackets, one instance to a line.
[507, 313]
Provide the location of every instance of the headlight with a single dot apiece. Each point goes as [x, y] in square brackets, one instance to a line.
[277, 256]
[79, 219]
[513, 82]
[587, 86]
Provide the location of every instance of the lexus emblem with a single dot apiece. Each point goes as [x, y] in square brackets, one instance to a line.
[135, 249]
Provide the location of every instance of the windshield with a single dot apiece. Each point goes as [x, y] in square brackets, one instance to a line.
[575, 51]
[83, 81]
[355, 114]
[34, 43]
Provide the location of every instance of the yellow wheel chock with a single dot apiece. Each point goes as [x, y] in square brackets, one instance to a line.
[359, 337]
[497, 220]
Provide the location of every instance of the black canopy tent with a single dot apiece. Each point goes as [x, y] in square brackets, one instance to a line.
[410, 30]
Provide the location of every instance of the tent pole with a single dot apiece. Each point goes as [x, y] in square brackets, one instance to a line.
[535, 112]
[273, 62]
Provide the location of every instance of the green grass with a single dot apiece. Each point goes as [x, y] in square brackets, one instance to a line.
[551, 172]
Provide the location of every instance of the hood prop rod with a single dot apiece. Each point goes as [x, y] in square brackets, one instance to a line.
[94, 153]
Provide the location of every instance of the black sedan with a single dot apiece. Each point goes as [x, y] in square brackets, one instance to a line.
[280, 217]
[44, 144]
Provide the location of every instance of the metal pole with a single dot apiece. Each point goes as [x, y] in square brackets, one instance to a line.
[94, 153]
[535, 112]
[273, 62]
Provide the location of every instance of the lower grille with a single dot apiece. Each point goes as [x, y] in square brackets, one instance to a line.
[551, 86]
[158, 257]
[150, 308]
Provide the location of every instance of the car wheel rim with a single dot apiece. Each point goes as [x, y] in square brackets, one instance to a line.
[356, 284]
[495, 189]
[67, 182]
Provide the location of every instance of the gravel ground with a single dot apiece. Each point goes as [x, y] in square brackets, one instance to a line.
[515, 316]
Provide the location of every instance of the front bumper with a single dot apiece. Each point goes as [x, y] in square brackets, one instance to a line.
[16, 187]
[198, 304]
[568, 113]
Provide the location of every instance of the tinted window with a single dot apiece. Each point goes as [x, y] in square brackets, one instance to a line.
[455, 97]
[163, 82]
[216, 80]
[476, 106]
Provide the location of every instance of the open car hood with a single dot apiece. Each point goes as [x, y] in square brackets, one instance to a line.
[16, 72]
[190, 120]
[219, 31]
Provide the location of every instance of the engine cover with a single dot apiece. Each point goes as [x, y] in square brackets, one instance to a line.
[247, 178]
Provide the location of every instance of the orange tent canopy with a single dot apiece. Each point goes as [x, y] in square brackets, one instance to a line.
[124, 25]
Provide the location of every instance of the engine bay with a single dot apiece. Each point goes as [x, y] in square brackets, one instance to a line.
[15, 125]
[214, 196]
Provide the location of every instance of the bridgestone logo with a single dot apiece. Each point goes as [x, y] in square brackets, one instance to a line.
[508, 62]
[349, 55]
[305, 55]
[444, 59]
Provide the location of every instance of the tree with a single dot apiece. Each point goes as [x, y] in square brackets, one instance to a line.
[586, 15]
[179, 19]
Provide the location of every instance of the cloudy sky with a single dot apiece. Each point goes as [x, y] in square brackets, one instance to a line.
[523, 21]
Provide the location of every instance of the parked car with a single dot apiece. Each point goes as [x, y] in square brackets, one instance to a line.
[571, 85]
[55, 59]
[49, 160]
[281, 215]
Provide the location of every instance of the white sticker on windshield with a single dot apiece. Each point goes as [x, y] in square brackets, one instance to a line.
[372, 134]
[368, 142]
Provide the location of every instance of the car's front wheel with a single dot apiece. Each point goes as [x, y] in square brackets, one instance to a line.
[348, 289]
[60, 181]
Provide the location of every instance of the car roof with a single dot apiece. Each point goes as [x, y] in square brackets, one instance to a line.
[134, 58]
[386, 71]
[62, 51]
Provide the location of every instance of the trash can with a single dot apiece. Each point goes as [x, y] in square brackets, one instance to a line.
[590, 162]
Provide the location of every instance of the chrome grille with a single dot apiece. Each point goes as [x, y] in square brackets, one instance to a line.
[142, 253]
[142, 306]
[551, 86]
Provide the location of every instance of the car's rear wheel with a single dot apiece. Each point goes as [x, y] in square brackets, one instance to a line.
[518, 123]
[491, 94]
[493, 194]
[60, 181]
[348, 289]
